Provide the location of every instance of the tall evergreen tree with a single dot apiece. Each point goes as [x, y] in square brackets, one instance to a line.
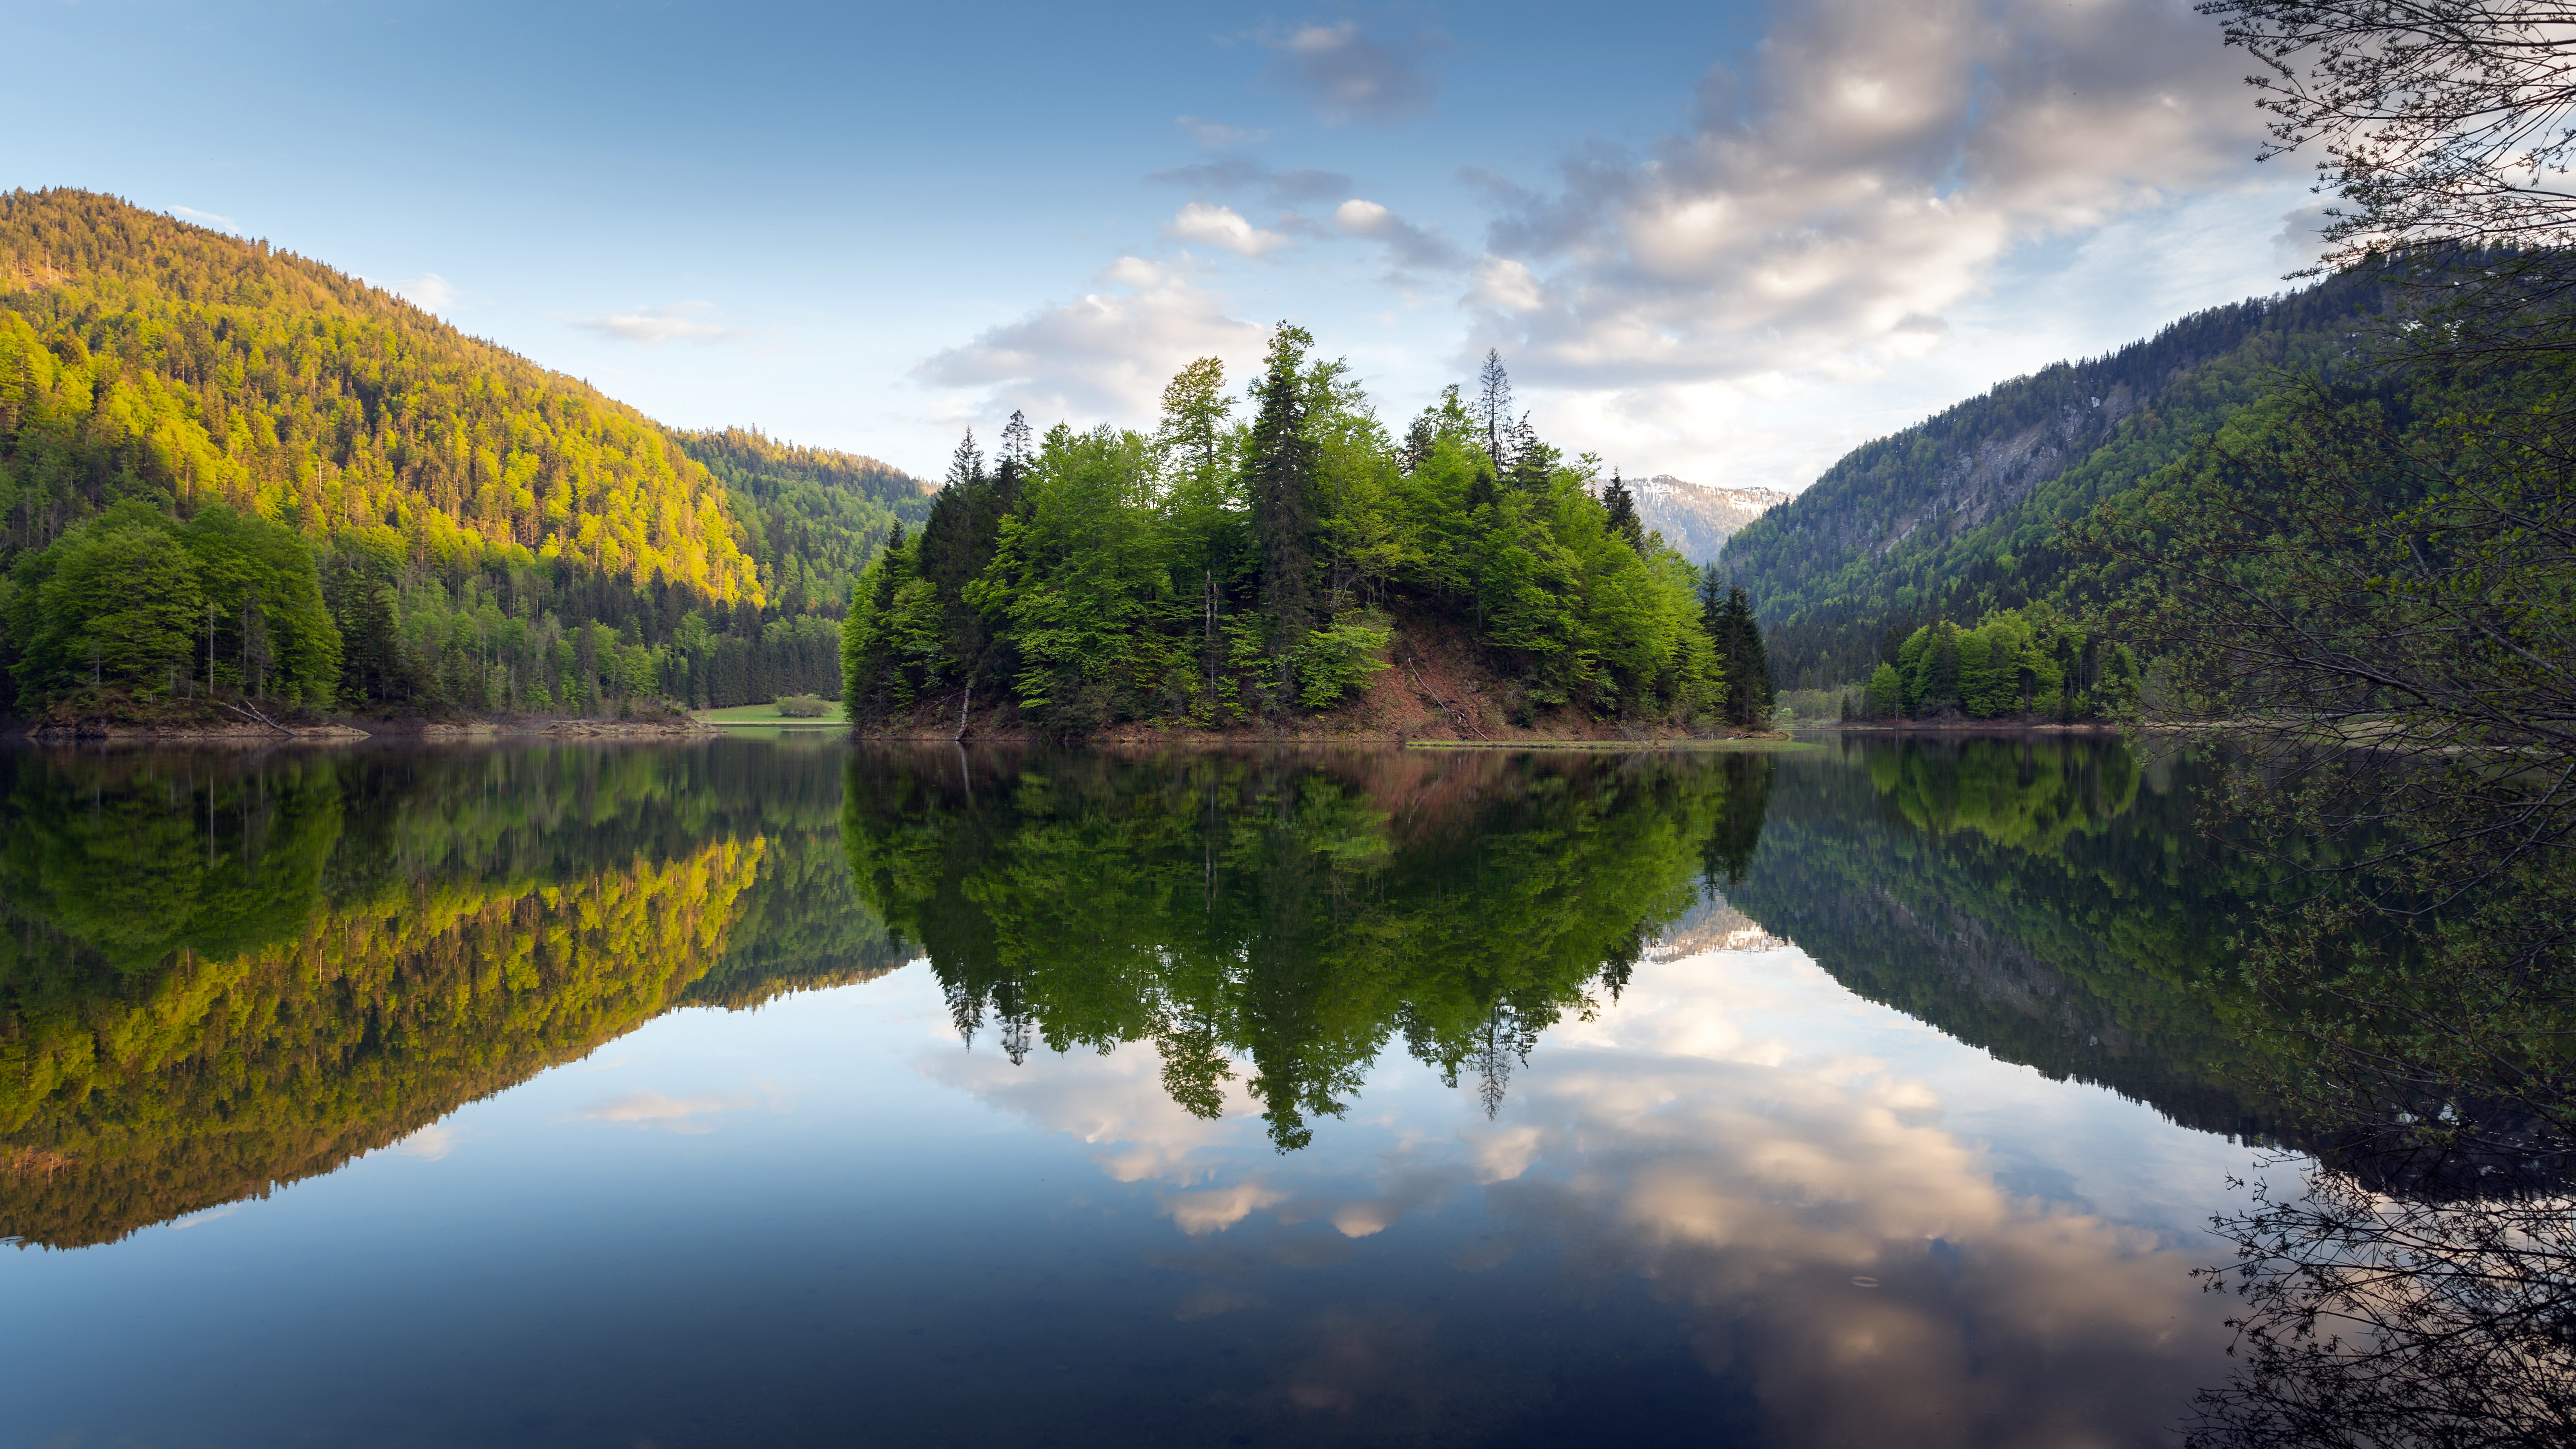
[956, 544]
[1622, 507]
[1738, 639]
[1494, 406]
[1280, 474]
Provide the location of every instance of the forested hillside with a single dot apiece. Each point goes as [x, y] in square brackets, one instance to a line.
[1960, 515]
[488, 533]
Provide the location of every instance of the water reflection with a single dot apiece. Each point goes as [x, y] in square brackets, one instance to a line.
[1378, 1097]
[1294, 913]
[223, 975]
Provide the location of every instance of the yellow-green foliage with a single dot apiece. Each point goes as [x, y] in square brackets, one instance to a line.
[230, 1075]
[139, 354]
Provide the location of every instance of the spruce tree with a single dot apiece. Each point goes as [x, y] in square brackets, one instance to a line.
[1279, 473]
[1622, 506]
[1494, 407]
[953, 550]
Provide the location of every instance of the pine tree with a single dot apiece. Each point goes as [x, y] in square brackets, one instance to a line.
[1624, 521]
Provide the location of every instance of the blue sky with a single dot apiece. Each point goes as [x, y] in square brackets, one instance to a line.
[1722, 241]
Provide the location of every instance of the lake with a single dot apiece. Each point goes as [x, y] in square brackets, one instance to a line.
[780, 1092]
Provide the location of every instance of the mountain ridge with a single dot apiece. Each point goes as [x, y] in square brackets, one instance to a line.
[1960, 513]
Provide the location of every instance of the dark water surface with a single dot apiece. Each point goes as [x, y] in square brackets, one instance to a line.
[772, 1093]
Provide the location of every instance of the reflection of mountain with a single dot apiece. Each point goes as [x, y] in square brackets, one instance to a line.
[2027, 897]
[220, 978]
[1712, 925]
[1295, 912]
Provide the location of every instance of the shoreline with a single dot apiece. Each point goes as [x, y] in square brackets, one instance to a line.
[338, 732]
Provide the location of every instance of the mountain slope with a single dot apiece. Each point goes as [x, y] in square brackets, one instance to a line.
[1959, 513]
[534, 544]
[141, 356]
[1697, 519]
[811, 517]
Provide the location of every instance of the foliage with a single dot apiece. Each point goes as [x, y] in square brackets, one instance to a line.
[811, 517]
[2441, 121]
[1216, 571]
[2349, 568]
[136, 601]
[803, 706]
[1726, 616]
[2015, 664]
[141, 356]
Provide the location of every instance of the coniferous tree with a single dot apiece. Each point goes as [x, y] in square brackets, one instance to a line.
[374, 666]
[1622, 507]
[1279, 471]
[953, 550]
[1738, 640]
[1494, 406]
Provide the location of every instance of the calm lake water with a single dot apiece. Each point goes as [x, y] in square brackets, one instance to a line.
[772, 1092]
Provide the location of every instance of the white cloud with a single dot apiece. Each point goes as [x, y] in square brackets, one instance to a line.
[207, 218]
[1874, 174]
[1354, 74]
[1221, 226]
[1407, 245]
[1104, 356]
[1829, 1196]
[651, 326]
[1879, 160]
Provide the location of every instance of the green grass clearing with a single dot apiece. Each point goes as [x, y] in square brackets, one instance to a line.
[767, 714]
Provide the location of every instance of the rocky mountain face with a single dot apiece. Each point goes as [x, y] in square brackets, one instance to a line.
[1696, 518]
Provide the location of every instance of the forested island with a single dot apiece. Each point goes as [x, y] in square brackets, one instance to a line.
[1225, 572]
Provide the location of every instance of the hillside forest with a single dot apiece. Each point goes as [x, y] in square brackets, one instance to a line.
[270, 453]
[1233, 567]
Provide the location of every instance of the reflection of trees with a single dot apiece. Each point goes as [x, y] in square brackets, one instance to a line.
[1291, 912]
[335, 950]
[2044, 899]
[2373, 1318]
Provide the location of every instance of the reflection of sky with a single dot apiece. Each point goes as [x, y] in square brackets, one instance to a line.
[1895, 1239]
[1739, 1197]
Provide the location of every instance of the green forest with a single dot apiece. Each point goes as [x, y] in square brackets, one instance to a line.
[1228, 568]
[483, 533]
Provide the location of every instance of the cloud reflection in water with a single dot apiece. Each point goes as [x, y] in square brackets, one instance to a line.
[1730, 1139]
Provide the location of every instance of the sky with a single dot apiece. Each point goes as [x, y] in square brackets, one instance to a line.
[1723, 241]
